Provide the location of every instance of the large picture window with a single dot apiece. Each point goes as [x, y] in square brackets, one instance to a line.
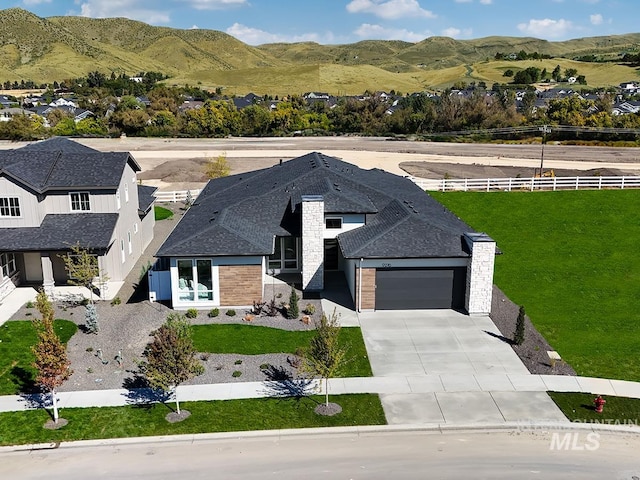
[8, 264]
[9, 207]
[80, 202]
[195, 284]
[285, 255]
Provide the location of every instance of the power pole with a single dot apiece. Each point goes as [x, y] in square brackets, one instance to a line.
[545, 129]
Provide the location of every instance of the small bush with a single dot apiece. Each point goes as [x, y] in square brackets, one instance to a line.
[89, 349]
[29, 304]
[91, 318]
[518, 336]
[265, 366]
[310, 309]
[205, 356]
[238, 362]
[236, 373]
[116, 301]
[231, 312]
[293, 311]
[214, 312]
[89, 370]
[191, 313]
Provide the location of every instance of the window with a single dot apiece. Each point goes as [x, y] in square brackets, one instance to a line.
[80, 202]
[122, 257]
[195, 284]
[135, 227]
[126, 193]
[8, 264]
[129, 240]
[118, 199]
[9, 207]
[333, 222]
[285, 255]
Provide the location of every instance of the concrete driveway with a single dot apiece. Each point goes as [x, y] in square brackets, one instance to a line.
[457, 368]
[435, 342]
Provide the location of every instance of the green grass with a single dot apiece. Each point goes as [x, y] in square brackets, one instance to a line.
[254, 340]
[571, 258]
[216, 416]
[162, 213]
[578, 407]
[16, 338]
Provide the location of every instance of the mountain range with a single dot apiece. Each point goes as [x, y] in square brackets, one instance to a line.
[59, 48]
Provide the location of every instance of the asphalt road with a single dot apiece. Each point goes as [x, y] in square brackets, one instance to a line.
[382, 455]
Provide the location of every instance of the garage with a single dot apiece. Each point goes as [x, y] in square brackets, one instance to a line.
[420, 288]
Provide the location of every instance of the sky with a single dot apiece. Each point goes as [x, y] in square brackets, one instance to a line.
[346, 21]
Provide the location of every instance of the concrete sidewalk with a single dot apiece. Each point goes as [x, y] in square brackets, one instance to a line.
[407, 400]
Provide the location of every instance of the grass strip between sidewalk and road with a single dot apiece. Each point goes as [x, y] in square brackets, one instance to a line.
[255, 340]
[579, 407]
[16, 339]
[206, 417]
[571, 258]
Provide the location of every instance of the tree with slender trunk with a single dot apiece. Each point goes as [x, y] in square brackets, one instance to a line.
[171, 356]
[325, 355]
[51, 362]
[518, 335]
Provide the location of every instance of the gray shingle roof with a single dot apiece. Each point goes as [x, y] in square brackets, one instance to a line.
[59, 164]
[241, 214]
[58, 232]
[145, 198]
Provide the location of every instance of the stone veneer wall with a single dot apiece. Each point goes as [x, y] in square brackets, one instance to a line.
[312, 243]
[240, 284]
[368, 288]
[480, 274]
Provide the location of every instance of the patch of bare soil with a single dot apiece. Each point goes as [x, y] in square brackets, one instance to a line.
[51, 425]
[434, 170]
[175, 417]
[328, 410]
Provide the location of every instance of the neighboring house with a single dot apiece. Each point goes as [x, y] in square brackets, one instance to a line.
[625, 108]
[6, 102]
[56, 193]
[7, 114]
[396, 246]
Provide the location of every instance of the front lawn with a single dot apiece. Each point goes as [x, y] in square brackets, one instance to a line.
[215, 416]
[255, 340]
[162, 213]
[16, 339]
[571, 258]
[578, 407]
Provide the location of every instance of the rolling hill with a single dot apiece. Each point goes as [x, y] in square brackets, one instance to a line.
[59, 48]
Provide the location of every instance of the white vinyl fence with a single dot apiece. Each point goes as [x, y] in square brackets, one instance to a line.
[531, 184]
[176, 196]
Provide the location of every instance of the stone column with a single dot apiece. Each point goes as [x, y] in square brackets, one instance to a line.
[312, 243]
[47, 274]
[480, 273]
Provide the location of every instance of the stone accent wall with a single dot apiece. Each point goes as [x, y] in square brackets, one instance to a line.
[240, 284]
[368, 288]
[312, 243]
[480, 274]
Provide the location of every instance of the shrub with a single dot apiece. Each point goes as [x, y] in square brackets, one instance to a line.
[238, 362]
[191, 313]
[265, 366]
[231, 312]
[116, 301]
[309, 309]
[236, 373]
[29, 304]
[214, 312]
[293, 311]
[518, 336]
[91, 318]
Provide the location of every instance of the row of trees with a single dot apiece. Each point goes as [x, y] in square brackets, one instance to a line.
[531, 75]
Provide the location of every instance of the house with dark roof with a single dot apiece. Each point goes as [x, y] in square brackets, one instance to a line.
[58, 193]
[315, 217]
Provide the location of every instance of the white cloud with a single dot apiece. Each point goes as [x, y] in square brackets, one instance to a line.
[457, 33]
[486, 2]
[215, 4]
[596, 19]
[389, 9]
[255, 36]
[194, 27]
[546, 28]
[378, 32]
[122, 8]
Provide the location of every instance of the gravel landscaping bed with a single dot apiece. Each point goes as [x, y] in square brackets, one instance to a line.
[533, 352]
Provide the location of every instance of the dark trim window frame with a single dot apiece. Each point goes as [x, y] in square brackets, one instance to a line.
[10, 207]
[80, 201]
[333, 223]
[8, 263]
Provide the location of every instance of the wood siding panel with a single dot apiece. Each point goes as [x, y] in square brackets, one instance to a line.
[368, 288]
[240, 284]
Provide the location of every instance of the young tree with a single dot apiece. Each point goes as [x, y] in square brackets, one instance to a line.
[325, 355]
[217, 167]
[51, 362]
[294, 310]
[518, 336]
[171, 356]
